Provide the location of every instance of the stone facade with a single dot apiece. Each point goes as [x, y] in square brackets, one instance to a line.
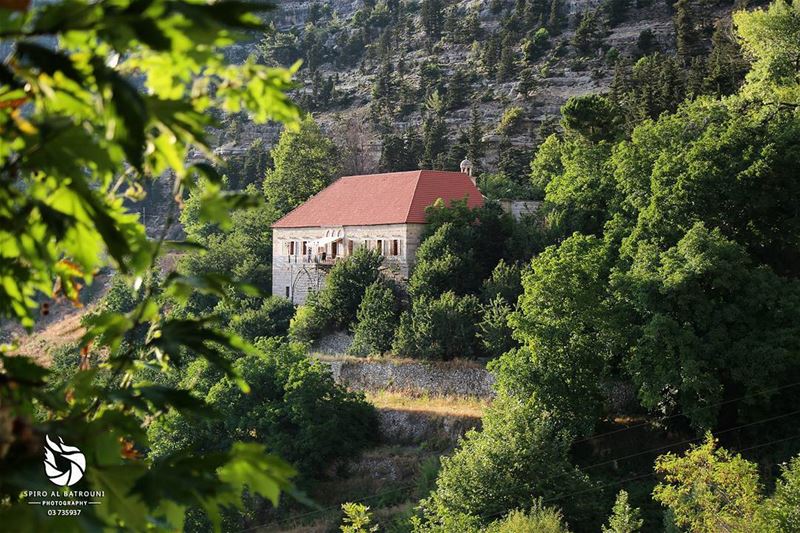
[302, 257]
[520, 208]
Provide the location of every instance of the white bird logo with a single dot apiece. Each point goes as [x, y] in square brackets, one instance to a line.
[77, 463]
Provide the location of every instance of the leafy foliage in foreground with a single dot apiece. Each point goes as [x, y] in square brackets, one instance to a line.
[78, 140]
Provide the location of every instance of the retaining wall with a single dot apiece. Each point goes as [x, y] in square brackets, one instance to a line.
[425, 378]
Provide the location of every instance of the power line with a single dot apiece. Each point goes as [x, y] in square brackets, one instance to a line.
[327, 509]
[593, 437]
[689, 441]
[683, 413]
[642, 476]
[560, 497]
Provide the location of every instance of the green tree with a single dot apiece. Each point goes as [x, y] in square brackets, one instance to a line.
[269, 317]
[439, 328]
[675, 291]
[614, 11]
[687, 37]
[589, 33]
[336, 305]
[506, 64]
[293, 406]
[377, 319]
[241, 248]
[457, 89]
[505, 282]
[770, 37]
[592, 116]
[357, 519]
[555, 19]
[546, 165]
[537, 520]
[624, 518]
[569, 329]
[475, 148]
[726, 67]
[432, 19]
[493, 329]
[781, 512]
[85, 120]
[306, 161]
[710, 489]
[520, 455]
[434, 134]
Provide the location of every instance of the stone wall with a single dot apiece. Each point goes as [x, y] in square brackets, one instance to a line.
[422, 378]
[413, 427]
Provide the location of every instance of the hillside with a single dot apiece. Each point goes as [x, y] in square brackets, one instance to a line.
[370, 70]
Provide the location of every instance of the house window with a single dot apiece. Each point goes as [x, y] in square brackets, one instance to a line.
[291, 247]
[334, 249]
[350, 247]
[395, 247]
[379, 246]
[287, 291]
[305, 247]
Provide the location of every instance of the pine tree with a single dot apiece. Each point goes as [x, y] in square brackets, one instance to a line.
[432, 19]
[686, 34]
[614, 11]
[589, 33]
[725, 68]
[457, 89]
[646, 44]
[555, 20]
[475, 149]
[491, 54]
[624, 518]
[434, 133]
[505, 69]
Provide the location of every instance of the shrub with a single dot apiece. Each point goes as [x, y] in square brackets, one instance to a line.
[439, 328]
[521, 454]
[336, 306]
[377, 320]
[493, 329]
[505, 282]
[271, 319]
[537, 520]
[624, 518]
[357, 519]
[293, 407]
[307, 323]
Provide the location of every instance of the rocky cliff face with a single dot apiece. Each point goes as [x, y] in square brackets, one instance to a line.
[321, 32]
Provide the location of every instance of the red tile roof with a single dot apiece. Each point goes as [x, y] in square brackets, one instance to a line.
[391, 198]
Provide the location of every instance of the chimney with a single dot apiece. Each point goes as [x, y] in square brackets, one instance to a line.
[466, 168]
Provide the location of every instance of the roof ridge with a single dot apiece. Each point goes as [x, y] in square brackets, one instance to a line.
[413, 195]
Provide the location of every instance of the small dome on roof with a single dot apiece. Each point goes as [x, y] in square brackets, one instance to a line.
[466, 167]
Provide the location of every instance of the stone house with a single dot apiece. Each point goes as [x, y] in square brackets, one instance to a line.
[378, 211]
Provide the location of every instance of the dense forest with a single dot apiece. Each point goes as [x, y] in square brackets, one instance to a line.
[662, 265]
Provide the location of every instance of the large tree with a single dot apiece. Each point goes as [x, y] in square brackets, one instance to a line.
[305, 162]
